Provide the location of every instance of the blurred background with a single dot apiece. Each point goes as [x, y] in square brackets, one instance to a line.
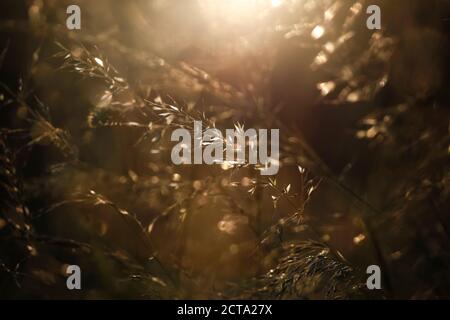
[86, 176]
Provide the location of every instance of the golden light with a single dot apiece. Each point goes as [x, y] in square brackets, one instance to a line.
[318, 32]
[277, 3]
[236, 12]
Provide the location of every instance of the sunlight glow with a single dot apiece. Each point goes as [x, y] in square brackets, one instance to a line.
[277, 3]
[236, 12]
[318, 32]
